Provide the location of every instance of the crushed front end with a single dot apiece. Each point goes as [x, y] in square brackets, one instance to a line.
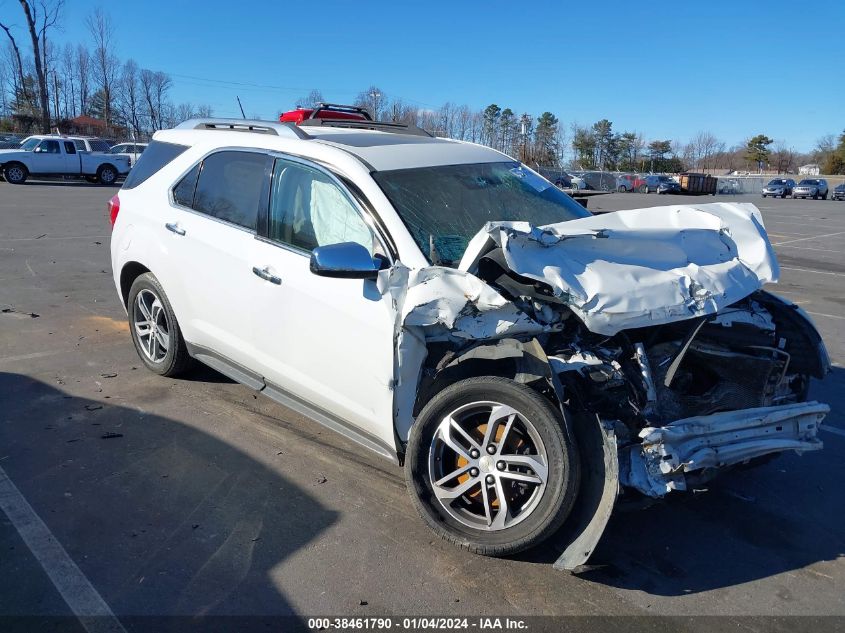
[686, 400]
[649, 327]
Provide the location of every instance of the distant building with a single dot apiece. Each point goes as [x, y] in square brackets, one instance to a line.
[809, 170]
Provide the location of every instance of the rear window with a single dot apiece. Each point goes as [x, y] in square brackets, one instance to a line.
[98, 145]
[158, 155]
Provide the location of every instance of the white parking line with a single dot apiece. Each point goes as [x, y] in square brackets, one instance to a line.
[814, 237]
[822, 314]
[832, 429]
[79, 594]
[811, 270]
[810, 248]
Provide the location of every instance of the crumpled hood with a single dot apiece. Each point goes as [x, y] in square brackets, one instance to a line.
[639, 267]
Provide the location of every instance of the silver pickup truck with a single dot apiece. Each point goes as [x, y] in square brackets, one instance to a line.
[51, 155]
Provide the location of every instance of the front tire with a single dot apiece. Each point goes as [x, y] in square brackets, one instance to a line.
[154, 328]
[15, 173]
[489, 467]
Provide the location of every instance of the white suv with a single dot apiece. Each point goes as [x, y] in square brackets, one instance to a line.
[398, 288]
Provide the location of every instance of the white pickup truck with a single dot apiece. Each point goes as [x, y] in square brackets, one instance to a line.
[51, 155]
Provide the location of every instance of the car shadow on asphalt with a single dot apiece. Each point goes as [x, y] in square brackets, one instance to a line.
[201, 372]
[747, 525]
[164, 519]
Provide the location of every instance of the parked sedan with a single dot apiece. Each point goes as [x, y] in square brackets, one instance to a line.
[814, 188]
[839, 192]
[778, 188]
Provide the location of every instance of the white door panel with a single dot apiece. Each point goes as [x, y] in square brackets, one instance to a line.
[214, 263]
[328, 341]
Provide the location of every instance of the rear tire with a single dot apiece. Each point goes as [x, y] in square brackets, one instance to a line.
[106, 175]
[154, 328]
[15, 173]
[525, 460]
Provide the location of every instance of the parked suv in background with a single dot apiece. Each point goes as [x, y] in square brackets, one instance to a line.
[397, 288]
[129, 149]
[814, 188]
[839, 192]
[778, 187]
[660, 184]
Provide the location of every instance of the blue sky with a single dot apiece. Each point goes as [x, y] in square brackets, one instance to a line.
[667, 69]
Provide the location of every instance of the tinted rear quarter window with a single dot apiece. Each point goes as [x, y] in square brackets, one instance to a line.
[183, 193]
[229, 186]
[98, 145]
[158, 155]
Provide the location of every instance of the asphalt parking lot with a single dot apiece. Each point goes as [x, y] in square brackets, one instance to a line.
[196, 497]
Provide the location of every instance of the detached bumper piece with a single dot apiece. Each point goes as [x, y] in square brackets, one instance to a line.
[693, 448]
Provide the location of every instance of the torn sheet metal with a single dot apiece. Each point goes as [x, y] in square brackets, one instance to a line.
[596, 495]
[438, 304]
[658, 465]
[640, 267]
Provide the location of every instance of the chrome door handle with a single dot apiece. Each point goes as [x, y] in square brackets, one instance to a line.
[174, 228]
[266, 275]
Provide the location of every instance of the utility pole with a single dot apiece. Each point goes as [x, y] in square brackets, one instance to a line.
[375, 96]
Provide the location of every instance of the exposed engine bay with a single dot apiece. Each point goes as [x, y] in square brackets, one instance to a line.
[668, 389]
[651, 325]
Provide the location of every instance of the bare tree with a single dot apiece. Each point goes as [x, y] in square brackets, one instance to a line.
[374, 99]
[68, 81]
[154, 88]
[105, 63]
[16, 62]
[129, 97]
[40, 17]
[311, 99]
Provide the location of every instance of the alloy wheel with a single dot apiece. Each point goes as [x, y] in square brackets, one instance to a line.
[488, 467]
[151, 326]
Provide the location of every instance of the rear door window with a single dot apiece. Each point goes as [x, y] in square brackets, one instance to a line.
[230, 185]
[158, 155]
[70, 148]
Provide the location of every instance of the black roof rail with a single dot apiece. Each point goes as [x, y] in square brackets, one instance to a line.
[273, 128]
[337, 107]
[380, 126]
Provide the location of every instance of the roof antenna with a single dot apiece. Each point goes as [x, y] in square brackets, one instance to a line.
[240, 106]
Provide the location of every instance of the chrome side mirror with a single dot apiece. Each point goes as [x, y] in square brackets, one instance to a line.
[347, 260]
